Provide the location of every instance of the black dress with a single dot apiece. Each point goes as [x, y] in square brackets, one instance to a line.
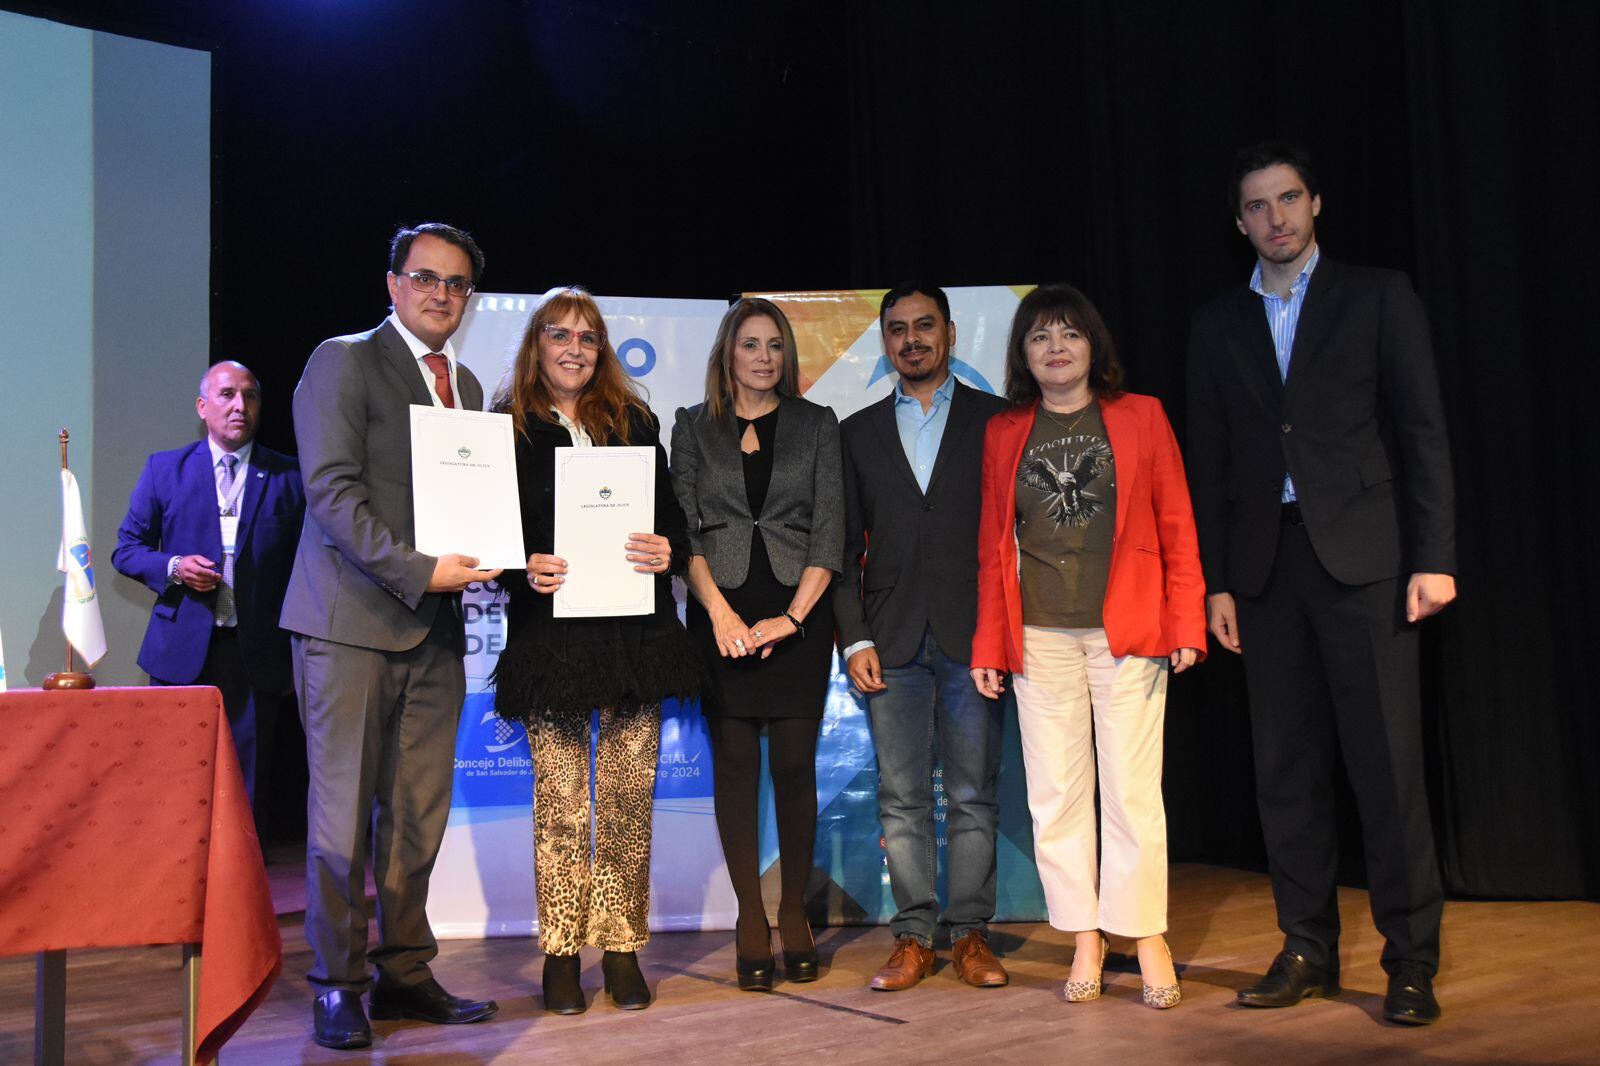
[793, 681]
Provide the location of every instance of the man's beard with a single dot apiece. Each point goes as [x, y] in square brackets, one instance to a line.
[922, 371]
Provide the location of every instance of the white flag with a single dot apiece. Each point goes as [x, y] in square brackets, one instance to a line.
[80, 610]
[2, 666]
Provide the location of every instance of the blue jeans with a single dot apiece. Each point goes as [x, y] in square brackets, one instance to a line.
[931, 708]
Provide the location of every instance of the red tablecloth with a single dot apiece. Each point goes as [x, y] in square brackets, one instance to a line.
[124, 821]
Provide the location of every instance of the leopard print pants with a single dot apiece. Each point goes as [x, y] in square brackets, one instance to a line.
[599, 897]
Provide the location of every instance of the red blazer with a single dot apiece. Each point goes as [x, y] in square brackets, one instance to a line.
[1155, 595]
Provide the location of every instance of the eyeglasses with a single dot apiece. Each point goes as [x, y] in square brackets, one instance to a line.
[588, 338]
[427, 281]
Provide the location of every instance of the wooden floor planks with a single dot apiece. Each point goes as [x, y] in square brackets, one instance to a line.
[1517, 986]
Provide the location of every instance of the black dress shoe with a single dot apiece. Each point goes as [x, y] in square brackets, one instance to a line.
[562, 992]
[624, 981]
[755, 975]
[338, 1022]
[1290, 979]
[1409, 1000]
[427, 1002]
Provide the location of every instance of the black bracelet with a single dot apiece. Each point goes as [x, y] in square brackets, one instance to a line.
[798, 628]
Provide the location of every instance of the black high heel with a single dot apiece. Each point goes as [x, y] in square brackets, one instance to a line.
[625, 982]
[562, 992]
[800, 966]
[755, 975]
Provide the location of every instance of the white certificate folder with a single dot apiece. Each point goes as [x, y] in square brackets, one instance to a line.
[464, 486]
[602, 496]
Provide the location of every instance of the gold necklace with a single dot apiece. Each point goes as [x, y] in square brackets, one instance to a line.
[1067, 430]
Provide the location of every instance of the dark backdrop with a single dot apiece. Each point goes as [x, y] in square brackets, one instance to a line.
[700, 149]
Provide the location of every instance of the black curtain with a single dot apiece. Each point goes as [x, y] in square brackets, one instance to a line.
[1090, 141]
[695, 150]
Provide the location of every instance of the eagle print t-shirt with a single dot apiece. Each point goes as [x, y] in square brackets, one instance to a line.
[1066, 514]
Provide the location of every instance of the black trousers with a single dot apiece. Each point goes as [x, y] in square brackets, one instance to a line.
[1332, 669]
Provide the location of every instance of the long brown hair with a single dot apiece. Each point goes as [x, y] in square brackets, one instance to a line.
[1048, 305]
[605, 402]
[719, 368]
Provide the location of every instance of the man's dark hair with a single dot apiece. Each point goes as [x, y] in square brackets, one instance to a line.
[1260, 157]
[911, 288]
[400, 245]
[1063, 304]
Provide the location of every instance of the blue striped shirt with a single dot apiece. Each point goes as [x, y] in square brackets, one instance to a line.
[1283, 318]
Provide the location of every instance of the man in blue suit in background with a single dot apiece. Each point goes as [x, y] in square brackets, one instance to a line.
[212, 529]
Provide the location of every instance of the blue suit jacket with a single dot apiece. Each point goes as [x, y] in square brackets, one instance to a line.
[174, 512]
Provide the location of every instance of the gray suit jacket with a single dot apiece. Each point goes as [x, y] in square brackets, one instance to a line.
[357, 578]
[802, 522]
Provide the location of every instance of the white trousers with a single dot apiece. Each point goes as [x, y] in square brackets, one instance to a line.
[1077, 705]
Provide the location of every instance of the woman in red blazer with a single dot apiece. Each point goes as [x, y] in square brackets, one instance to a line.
[1089, 588]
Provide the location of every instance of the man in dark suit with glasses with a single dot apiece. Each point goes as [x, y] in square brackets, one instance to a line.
[378, 641]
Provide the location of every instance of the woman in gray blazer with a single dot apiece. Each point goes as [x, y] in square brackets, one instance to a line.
[757, 471]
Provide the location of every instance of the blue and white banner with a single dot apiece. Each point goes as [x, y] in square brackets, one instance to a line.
[483, 882]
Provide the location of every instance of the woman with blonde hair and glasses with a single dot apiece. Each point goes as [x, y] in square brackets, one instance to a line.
[758, 472]
[1089, 592]
[567, 388]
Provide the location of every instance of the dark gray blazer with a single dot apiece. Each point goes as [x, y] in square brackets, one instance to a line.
[357, 577]
[802, 522]
[911, 558]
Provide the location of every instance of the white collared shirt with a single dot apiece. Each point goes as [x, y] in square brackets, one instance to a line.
[418, 350]
[580, 436]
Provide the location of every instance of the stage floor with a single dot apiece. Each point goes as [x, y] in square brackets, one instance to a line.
[1518, 986]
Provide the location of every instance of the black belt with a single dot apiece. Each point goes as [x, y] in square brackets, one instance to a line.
[1291, 514]
[225, 631]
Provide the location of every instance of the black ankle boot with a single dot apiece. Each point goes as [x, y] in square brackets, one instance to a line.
[562, 992]
[624, 981]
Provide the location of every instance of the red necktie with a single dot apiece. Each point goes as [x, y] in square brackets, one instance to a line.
[441, 377]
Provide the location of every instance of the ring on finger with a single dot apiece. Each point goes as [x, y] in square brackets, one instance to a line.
[655, 560]
[739, 644]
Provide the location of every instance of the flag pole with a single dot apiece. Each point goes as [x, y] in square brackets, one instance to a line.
[68, 678]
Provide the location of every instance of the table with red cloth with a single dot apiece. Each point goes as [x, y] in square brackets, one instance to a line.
[124, 822]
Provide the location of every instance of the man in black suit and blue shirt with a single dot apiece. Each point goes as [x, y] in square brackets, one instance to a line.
[906, 606]
[1322, 490]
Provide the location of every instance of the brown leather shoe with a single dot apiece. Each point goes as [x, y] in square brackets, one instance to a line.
[976, 964]
[910, 963]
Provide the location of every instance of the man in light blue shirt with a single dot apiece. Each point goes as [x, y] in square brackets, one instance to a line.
[906, 606]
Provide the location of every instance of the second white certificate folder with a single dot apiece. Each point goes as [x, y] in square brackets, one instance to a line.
[602, 496]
